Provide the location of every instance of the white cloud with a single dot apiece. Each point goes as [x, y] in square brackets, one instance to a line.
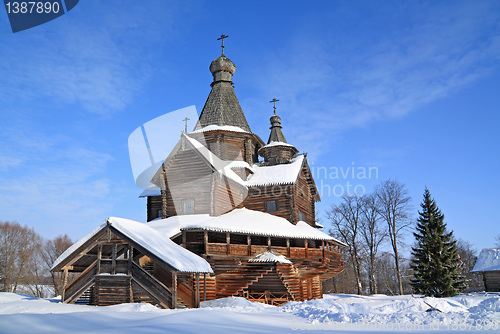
[351, 82]
[49, 180]
[98, 56]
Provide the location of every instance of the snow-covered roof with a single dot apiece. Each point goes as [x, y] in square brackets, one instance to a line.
[241, 221]
[278, 174]
[270, 257]
[151, 191]
[157, 244]
[220, 165]
[277, 143]
[214, 127]
[239, 164]
[318, 225]
[488, 260]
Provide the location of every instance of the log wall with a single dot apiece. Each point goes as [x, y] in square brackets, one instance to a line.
[259, 196]
[492, 281]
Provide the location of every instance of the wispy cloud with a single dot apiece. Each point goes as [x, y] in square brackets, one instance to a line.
[351, 82]
[98, 56]
[48, 180]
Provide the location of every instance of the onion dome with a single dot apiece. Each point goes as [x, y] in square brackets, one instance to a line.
[222, 69]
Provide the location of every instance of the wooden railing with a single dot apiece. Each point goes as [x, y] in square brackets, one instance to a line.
[186, 294]
[292, 252]
[153, 287]
[269, 298]
[81, 284]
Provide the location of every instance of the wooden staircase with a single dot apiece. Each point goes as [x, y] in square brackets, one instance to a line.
[234, 282]
[291, 280]
[154, 288]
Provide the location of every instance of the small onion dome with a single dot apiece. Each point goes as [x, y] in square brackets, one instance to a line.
[275, 121]
[222, 69]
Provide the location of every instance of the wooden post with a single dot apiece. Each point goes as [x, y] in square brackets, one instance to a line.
[99, 257]
[129, 272]
[306, 248]
[174, 289]
[197, 290]
[65, 281]
[249, 244]
[228, 244]
[113, 260]
[204, 287]
[163, 193]
[183, 239]
[288, 247]
[130, 256]
[268, 243]
[205, 241]
[323, 247]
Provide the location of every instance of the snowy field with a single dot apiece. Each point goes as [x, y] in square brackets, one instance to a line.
[334, 313]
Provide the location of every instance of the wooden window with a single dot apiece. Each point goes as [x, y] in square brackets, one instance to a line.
[302, 215]
[271, 206]
[188, 206]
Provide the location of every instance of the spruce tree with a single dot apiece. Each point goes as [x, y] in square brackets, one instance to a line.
[436, 263]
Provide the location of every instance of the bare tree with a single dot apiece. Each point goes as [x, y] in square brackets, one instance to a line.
[373, 235]
[394, 208]
[346, 222]
[468, 257]
[18, 245]
[52, 250]
[497, 240]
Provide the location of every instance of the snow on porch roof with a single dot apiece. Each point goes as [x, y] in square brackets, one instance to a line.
[489, 260]
[241, 221]
[270, 257]
[151, 191]
[157, 244]
[278, 174]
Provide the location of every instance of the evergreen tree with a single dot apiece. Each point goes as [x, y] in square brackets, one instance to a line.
[436, 263]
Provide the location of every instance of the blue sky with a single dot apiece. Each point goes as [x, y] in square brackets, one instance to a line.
[409, 88]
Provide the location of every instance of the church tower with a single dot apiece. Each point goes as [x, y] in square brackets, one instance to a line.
[277, 151]
[222, 125]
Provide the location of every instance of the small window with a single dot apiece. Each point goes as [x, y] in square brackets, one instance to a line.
[302, 215]
[188, 206]
[160, 213]
[271, 206]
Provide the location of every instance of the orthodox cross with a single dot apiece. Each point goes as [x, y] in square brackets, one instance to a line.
[273, 101]
[221, 38]
[186, 125]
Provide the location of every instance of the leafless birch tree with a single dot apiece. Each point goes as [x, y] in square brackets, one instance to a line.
[395, 206]
[346, 222]
[373, 235]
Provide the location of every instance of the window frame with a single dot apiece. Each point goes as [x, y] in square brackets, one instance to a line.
[275, 205]
[184, 205]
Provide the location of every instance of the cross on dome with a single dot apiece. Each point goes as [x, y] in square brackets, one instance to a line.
[274, 104]
[221, 38]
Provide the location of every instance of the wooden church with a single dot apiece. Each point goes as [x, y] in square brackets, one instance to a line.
[228, 215]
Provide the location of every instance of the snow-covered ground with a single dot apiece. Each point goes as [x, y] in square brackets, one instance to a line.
[335, 313]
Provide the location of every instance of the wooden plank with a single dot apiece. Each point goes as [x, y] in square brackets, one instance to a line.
[153, 287]
[197, 289]
[174, 289]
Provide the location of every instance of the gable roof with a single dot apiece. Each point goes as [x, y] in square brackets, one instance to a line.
[488, 260]
[149, 239]
[277, 174]
[211, 160]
